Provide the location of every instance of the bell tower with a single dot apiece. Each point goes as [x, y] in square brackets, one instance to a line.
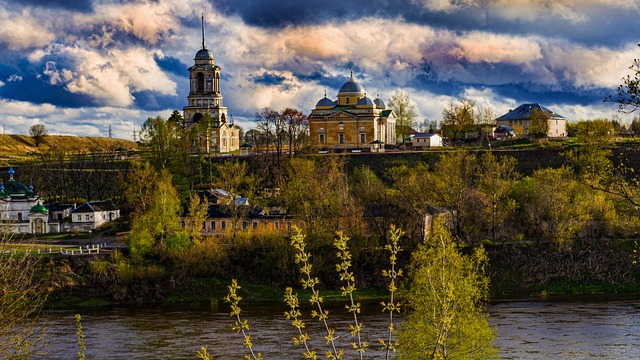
[204, 95]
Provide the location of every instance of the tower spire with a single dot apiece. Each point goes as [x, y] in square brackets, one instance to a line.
[203, 31]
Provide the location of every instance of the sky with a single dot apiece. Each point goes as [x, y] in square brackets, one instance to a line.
[80, 66]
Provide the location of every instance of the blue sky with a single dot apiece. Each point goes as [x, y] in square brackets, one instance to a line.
[78, 66]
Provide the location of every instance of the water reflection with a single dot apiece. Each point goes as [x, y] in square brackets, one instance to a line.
[527, 330]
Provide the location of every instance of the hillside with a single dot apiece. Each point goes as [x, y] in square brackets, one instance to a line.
[21, 147]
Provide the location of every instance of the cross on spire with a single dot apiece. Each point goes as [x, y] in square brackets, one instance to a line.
[203, 31]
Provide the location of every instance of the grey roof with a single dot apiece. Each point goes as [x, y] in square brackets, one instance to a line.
[204, 54]
[351, 86]
[325, 101]
[423, 135]
[365, 101]
[379, 102]
[525, 111]
[90, 207]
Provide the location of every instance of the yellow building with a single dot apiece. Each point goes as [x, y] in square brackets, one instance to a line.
[353, 121]
[205, 97]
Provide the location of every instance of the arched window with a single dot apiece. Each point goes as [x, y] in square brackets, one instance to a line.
[200, 82]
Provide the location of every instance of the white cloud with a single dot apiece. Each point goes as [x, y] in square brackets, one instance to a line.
[14, 78]
[23, 30]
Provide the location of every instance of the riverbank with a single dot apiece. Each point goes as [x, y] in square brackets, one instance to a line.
[525, 271]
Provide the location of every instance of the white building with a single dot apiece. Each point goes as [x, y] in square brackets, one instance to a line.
[426, 140]
[21, 209]
[527, 115]
[91, 215]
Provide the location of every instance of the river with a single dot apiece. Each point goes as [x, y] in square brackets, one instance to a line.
[556, 329]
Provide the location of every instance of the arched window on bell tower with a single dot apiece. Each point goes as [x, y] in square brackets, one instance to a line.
[200, 82]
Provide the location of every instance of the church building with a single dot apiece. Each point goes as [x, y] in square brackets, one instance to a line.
[220, 135]
[352, 122]
[21, 209]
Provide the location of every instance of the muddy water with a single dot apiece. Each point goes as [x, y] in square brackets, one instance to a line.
[526, 330]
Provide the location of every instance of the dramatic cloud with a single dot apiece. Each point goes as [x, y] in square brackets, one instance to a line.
[81, 65]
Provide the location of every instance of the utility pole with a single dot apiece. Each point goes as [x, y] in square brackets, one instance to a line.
[109, 131]
[134, 133]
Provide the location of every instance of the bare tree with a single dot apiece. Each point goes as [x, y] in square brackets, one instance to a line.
[629, 92]
[38, 132]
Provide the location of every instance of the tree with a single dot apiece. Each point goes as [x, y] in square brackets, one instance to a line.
[497, 177]
[450, 185]
[234, 177]
[297, 127]
[457, 119]
[405, 113]
[38, 132]
[446, 295]
[163, 139]
[538, 124]
[22, 294]
[151, 228]
[628, 96]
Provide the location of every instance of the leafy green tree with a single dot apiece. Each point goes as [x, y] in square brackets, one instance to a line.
[592, 131]
[538, 124]
[317, 191]
[457, 119]
[496, 179]
[451, 182]
[405, 112]
[446, 295]
[551, 204]
[155, 226]
[164, 141]
[635, 125]
[414, 199]
[234, 177]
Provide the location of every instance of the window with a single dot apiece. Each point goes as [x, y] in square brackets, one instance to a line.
[321, 138]
[200, 82]
[79, 217]
[254, 226]
[341, 125]
[244, 225]
[363, 138]
[87, 217]
[213, 225]
[341, 138]
[289, 226]
[223, 225]
[346, 100]
[277, 226]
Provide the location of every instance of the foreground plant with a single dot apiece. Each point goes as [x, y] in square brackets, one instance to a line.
[303, 258]
[388, 345]
[240, 326]
[346, 275]
[81, 344]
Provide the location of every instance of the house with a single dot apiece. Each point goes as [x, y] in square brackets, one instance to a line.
[421, 140]
[353, 121]
[503, 133]
[220, 220]
[528, 116]
[92, 215]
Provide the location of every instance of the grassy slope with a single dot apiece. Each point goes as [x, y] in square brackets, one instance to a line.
[19, 147]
